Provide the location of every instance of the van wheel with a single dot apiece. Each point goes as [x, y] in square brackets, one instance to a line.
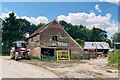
[16, 56]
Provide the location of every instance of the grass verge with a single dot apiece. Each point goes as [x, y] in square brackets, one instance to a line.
[114, 59]
[44, 59]
[52, 59]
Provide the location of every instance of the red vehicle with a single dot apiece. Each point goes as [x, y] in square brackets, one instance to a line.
[19, 49]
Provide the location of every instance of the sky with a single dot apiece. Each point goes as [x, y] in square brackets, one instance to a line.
[103, 15]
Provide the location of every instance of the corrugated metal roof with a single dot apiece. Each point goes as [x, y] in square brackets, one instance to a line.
[98, 45]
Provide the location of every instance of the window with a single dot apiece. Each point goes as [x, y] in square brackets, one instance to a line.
[21, 45]
[54, 38]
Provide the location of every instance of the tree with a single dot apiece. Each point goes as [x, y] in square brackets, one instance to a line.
[98, 34]
[76, 31]
[10, 32]
[14, 30]
[116, 37]
[80, 42]
[83, 33]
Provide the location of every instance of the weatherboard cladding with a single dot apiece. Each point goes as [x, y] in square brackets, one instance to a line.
[42, 37]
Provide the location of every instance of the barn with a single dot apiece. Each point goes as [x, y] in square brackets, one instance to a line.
[51, 37]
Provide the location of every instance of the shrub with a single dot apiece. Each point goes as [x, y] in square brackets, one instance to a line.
[114, 59]
[80, 42]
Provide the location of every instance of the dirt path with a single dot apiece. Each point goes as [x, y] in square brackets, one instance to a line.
[94, 68]
[14, 69]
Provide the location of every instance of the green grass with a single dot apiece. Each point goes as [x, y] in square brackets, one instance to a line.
[5, 54]
[51, 59]
[75, 59]
[43, 59]
[114, 59]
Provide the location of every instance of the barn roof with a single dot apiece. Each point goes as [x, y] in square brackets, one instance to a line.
[98, 45]
[41, 28]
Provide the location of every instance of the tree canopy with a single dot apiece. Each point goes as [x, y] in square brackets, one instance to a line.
[83, 33]
[116, 37]
[14, 29]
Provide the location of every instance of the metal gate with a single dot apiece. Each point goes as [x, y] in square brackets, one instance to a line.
[63, 55]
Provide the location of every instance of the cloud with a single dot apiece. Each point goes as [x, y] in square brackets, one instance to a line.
[5, 9]
[89, 20]
[4, 15]
[112, 29]
[97, 8]
[111, 1]
[33, 20]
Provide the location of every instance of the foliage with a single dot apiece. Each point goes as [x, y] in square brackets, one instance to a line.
[47, 59]
[51, 59]
[80, 42]
[77, 32]
[116, 37]
[43, 59]
[14, 30]
[109, 42]
[114, 59]
[98, 34]
[83, 33]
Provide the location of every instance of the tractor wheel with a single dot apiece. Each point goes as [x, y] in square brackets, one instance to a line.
[16, 56]
[27, 55]
[12, 56]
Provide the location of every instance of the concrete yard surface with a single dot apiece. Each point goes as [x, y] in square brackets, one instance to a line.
[14, 69]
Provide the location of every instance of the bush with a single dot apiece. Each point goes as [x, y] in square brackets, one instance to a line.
[5, 50]
[114, 59]
[47, 59]
[80, 42]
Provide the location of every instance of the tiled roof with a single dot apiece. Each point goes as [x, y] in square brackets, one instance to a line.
[41, 28]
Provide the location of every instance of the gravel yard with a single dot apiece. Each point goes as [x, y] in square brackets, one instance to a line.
[94, 68]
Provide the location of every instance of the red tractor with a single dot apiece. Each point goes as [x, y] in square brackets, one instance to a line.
[19, 49]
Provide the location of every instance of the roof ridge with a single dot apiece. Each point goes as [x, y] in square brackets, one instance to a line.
[42, 28]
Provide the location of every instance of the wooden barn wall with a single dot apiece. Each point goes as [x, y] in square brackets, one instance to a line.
[44, 39]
